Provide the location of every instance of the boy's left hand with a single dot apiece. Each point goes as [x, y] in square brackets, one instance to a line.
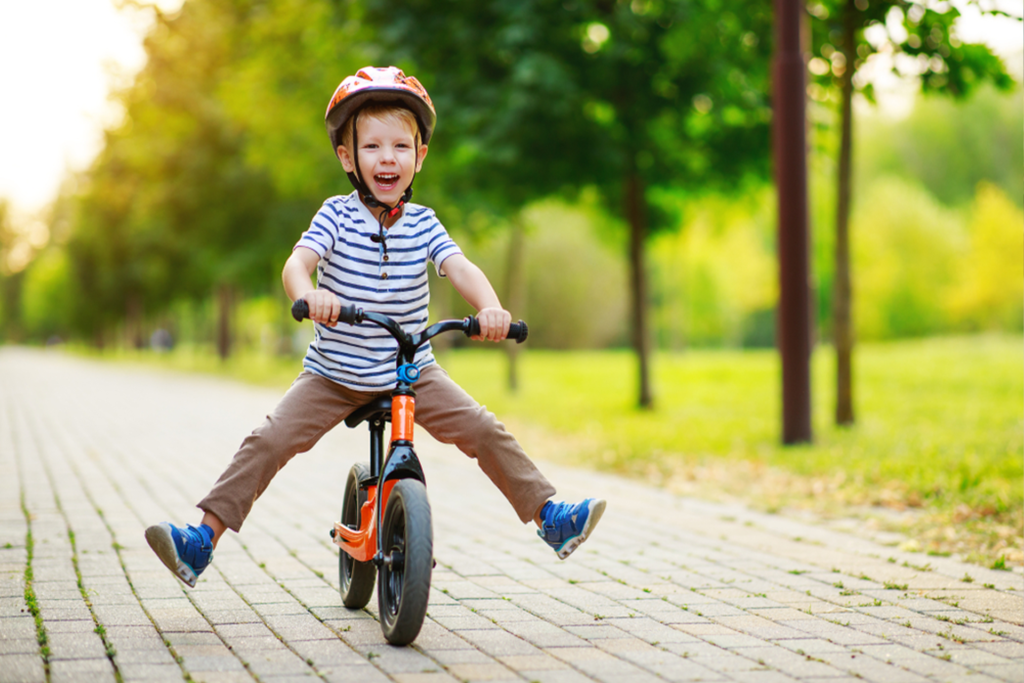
[494, 324]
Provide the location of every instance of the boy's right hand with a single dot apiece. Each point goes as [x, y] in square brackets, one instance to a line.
[324, 307]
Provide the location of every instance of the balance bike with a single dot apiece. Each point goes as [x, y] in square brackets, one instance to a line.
[385, 526]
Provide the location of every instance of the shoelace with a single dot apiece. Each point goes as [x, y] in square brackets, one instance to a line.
[562, 513]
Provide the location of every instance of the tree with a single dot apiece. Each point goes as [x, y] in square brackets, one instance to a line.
[541, 97]
[918, 39]
[170, 209]
[9, 281]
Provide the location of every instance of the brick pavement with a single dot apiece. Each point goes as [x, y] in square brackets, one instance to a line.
[669, 588]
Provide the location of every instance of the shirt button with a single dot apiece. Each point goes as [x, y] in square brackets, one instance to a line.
[386, 259]
[384, 276]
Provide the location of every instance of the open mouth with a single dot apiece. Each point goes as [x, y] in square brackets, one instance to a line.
[386, 181]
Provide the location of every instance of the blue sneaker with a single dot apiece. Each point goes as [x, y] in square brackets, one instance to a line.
[565, 526]
[186, 552]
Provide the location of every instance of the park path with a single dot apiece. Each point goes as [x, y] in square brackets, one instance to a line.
[668, 589]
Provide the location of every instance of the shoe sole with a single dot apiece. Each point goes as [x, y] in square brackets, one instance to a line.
[592, 519]
[162, 542]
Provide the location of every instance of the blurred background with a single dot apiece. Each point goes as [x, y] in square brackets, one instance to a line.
[600, 161]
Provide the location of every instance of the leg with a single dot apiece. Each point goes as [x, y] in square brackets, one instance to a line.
[451, 416]
[311, 407]
[213, 521]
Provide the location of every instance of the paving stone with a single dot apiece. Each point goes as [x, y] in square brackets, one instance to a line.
[481, 672]
[145, 656]
[1004, 672]
[1003, 648]
[145, 671]
[497, 643]
[76, 646]
[18, 646]
[23, 668]
[436, 677]
[331, 653]
[226, 677]
[869, 668]
[211, 662]
[787, 661]
[538, 662]
[704, 595]
[555, 676]
[81, 670]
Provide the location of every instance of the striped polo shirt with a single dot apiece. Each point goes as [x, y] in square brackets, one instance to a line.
[362, 357]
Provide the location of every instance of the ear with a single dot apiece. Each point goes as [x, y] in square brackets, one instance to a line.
[421, 154]
[346, 159]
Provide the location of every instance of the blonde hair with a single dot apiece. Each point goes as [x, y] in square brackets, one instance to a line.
[386, 112]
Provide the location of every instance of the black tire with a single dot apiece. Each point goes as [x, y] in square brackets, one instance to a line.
[408, 543]
[355, 578]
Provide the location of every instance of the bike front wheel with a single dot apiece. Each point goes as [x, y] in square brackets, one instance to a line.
[407, 541]
[355, 578]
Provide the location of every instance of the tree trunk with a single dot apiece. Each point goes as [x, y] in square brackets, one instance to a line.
[636, 215]
[515, 293]
[842, 289]
[441, 302]
[133, 322]
[225, 313]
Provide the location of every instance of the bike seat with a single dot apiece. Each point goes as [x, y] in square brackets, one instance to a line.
[370, 410]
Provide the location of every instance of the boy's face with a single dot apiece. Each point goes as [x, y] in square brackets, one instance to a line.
[388, 157]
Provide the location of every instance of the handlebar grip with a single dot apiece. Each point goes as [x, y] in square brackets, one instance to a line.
[348, 314]
[516, 331]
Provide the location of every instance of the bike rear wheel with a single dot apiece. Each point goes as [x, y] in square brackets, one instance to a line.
[408, 545]
[355, 578]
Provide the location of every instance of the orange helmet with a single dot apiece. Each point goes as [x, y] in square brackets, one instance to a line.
[379, 84]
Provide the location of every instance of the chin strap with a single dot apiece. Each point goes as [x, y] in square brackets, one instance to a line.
[367, 196]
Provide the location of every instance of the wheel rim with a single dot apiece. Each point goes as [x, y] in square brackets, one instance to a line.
[347, 518]
[394, 565]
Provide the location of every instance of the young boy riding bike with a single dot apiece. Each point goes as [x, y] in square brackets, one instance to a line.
[370, 248]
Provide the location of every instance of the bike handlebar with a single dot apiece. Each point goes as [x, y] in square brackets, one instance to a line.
[351, 315]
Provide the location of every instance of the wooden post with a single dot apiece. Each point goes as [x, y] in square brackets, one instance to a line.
[790, 154]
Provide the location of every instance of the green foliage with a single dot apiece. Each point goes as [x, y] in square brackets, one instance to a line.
[912, 38]
[904, 248]
[949, 146]
[989, 287]
[945, 427]
[565, 253]
[291, 59]
[923, 268]
[45, 302]
[538, 97]
[715, 280]
[215, 169]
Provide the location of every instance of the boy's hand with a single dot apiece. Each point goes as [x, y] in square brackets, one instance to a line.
[494, 324]
[324, 307]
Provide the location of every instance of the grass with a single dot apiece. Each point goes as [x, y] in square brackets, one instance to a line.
[939, 433]
[936, 452]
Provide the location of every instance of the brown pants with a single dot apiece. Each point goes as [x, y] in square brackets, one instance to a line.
[314, 405]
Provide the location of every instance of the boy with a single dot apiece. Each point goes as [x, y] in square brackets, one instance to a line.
[371, 248]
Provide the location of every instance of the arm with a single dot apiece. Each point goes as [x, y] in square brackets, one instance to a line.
[324, 306]
[476, 289]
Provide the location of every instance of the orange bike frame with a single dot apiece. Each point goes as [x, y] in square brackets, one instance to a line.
[361, 543]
